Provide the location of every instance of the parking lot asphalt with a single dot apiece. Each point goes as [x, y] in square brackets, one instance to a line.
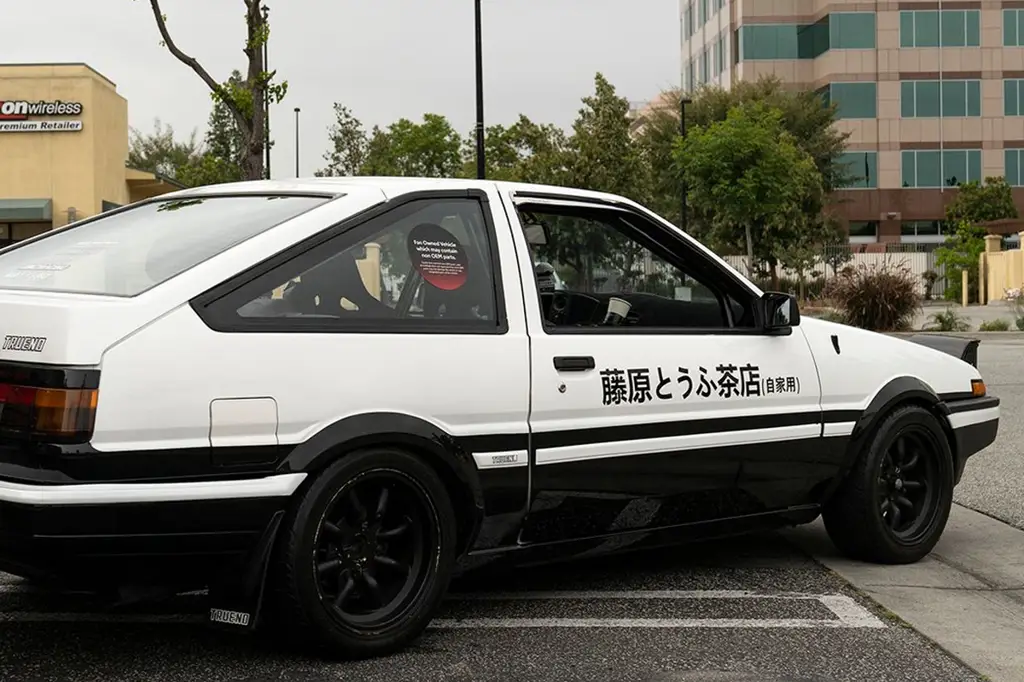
[753, 608]
[993, 482]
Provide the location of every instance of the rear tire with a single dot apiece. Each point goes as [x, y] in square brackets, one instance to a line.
[893, 505]
[366, 555]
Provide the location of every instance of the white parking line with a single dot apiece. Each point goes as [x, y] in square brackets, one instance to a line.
[848, 613]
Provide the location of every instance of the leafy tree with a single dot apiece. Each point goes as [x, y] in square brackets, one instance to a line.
[349, 145]
[404, 148]
[751, 178]
[975, 203]
[599, 155]
[159, 152]
[522, 152]
[981, 202]
[803, 115]
[247, 99]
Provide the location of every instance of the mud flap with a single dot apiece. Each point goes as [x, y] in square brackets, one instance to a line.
[237, 596]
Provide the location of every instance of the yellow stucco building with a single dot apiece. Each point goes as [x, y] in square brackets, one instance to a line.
[63, 149]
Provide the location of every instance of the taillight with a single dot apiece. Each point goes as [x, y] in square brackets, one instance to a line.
[50, 414]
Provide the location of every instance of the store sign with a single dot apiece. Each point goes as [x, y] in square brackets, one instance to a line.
[22, 116]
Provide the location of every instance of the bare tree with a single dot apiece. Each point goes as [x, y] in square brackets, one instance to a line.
[246, 99]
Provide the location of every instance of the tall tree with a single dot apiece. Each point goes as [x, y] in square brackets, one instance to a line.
[159, 152]
[749, 174]
[246, 99]
[349, 145]
[405, 148]
[522, 152]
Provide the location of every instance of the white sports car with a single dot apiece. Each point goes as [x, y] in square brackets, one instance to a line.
[322, 398]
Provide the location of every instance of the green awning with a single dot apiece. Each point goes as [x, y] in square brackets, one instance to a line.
[26, 210]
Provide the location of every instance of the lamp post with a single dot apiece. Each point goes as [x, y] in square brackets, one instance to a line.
[481, 168]
[296, 142]
[266, 100]
[682, 131]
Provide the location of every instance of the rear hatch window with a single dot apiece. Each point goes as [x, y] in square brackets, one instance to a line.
[126, 253]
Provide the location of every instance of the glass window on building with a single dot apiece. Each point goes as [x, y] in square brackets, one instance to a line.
[1012, 93]
[783, 41]
[689, 75]
[1013, 158]
[854, 100]
[926, 28]
[702, 12]
[718, 4]
[688, 20]
[716, 51]
[861, 231]
[851, 30]
[929, 99]
[859, 170]
[929, 168]
[1013, 28]
[922, 231]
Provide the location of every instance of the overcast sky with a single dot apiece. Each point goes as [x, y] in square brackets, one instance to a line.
[385, 59]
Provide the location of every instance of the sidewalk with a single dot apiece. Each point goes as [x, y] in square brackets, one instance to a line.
[967, 596]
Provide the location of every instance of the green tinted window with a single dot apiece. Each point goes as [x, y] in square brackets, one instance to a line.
[702, 12]
[852, 30]
[783, 41]
[859, 169]
[1012, 91]
[927, 99]
[927, 168]
[954, 28]
[1011, 27]
[854, 100]
[1012, 159]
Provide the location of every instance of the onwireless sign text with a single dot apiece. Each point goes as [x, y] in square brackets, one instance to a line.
[16, 116]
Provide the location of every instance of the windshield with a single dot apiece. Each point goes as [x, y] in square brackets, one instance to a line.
[125, 254]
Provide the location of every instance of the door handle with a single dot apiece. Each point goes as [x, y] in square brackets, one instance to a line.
[574, 363]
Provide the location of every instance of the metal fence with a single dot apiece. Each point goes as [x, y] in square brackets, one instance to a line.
[918, 258]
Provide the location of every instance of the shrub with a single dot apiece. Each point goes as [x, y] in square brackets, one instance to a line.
[999, 325]
[880, 298]
[948, 321]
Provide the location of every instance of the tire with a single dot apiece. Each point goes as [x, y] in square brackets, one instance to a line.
[312, 570]
[859, 520]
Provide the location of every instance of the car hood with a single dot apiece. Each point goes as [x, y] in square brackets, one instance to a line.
[865, 353]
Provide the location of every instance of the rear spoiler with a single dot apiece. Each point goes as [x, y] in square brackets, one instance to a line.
[964, 348]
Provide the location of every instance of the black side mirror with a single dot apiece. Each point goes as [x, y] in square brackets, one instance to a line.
[779, 313]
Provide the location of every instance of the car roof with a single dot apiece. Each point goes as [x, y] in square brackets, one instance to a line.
[389, 186]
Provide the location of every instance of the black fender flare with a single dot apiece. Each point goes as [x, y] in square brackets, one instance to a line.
[897, 391]
[397, 430]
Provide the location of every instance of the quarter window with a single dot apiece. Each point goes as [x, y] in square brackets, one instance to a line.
[424, 265]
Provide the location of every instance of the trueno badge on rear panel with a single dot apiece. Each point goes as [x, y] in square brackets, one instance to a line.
[30, 344]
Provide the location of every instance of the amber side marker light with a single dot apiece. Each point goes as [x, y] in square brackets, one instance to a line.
[57, 414]
[978, 388]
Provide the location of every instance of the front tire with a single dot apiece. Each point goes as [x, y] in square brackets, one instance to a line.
[893, 505]
[366, 556]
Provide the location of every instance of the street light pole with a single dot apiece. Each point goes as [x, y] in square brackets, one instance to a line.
[481, 168]
[682, 131]
[296, 142]
[266, 100]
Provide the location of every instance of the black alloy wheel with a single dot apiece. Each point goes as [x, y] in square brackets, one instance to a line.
[371, 549]
[364, 555]
[893, 505]
[907, 484]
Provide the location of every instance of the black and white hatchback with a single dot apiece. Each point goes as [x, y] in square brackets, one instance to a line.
[323, 398]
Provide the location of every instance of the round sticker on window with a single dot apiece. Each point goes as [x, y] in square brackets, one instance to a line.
[437, 256]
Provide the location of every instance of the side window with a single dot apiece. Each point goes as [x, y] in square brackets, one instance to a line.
[425, 264]
[598, 268]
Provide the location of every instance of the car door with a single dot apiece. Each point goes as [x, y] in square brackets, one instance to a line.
[682, 412]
